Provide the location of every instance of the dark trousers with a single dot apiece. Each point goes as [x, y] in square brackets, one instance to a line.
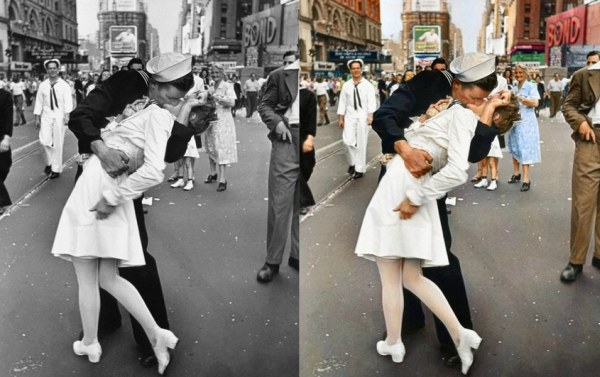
[450, 281]
[555, 102]
[145, 279]
[5, 164]
[251, 106]
[307, 164]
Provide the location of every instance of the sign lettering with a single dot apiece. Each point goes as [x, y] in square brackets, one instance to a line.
[566, 28]
[261, 31]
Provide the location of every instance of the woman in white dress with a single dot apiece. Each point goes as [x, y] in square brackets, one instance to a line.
[220, 137]
[97, 230]
[401, 229]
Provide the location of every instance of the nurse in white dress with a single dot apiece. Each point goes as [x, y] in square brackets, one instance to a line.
[401, 229]
[97, 230]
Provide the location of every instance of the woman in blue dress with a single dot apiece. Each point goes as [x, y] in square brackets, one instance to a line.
[524, 137]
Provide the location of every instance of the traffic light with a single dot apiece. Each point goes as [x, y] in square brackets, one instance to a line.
[8, 52]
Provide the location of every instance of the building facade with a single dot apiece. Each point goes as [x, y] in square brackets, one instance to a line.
[422, 20]
[35, 30]
[333, 31]
[122, 32]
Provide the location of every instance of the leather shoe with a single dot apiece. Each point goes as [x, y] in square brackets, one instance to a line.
[294, 263]
[351, 169]
[569, 274]
[266, 273]
[596, 262]
[514, 178]
[358, 175]
[48, 170]
[148, 359]
[222, 186]
[450, 355]
[525, 186]
[54, 175]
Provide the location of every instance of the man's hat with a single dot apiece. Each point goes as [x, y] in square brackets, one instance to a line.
[50, 61]
[473, 66]
[169, 67]
[359, 61]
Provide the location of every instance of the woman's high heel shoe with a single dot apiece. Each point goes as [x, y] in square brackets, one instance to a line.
[222, 186]
[165, 339]
[397, 350]
[211, 178]
[469, 340]
[93, 351]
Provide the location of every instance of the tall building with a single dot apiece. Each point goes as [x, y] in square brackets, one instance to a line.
[429, 20]
[189, 30]
[36, 30]
[330, 29]
[123, 31]
[222, 28]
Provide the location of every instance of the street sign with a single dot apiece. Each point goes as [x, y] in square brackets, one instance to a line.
[324, 66]
[343, 55]
[42, 55]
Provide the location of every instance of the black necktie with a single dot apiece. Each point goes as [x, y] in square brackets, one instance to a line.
[357, 95]
[53, 100]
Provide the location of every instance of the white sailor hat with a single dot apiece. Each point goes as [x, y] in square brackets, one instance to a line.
[473, 66]
[50, 61]
[359, 61]
[169, 66]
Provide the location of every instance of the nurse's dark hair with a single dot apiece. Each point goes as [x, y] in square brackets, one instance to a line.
[184, 83]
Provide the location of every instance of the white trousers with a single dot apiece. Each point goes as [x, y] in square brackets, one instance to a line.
[355, 137]
[52, 137]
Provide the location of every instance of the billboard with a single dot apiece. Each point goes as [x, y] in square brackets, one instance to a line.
[123, 39]
[427, 39]
[123, 5]
[426, 6]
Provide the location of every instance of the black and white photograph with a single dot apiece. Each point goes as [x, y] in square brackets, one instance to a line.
[146, 221]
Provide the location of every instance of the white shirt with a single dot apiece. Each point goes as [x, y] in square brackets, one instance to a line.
[143, 137]
[63, 96]
[555, 86]
[366, 93]
[447, 138]
[17, 88]
[594, 113]
[321, 88]
[293, 112]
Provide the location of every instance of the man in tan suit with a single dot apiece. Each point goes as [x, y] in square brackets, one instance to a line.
[582, 111]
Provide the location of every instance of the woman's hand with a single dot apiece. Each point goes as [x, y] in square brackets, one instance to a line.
[406, 209]
[102, 209]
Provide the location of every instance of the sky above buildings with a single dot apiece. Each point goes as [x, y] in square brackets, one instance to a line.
[162, 14]
[465, 14]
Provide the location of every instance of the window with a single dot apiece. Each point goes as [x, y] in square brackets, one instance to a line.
[527, 8]
[526, 34]
[526, 21]
[223, 7]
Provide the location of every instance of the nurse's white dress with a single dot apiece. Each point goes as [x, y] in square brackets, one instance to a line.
[143, 137]
[447, 137]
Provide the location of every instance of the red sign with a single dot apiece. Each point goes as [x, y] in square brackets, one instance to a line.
[567, 28]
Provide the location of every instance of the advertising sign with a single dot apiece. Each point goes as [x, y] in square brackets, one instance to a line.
[123, 5]
[41, 55]
[426, 6]
[344, 55]
[123, 39]
[567, 28]
[427, 39]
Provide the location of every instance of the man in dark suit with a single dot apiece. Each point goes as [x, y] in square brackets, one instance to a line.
[86, 122]
[308, 130]
[412, 99]
[6, 129]
[582, 111]
[280, 111]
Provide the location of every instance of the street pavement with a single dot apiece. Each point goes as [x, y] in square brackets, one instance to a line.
[208, 246]
[512, 246]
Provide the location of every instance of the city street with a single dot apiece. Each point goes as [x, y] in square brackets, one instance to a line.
[208, 246]
[512, 246]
